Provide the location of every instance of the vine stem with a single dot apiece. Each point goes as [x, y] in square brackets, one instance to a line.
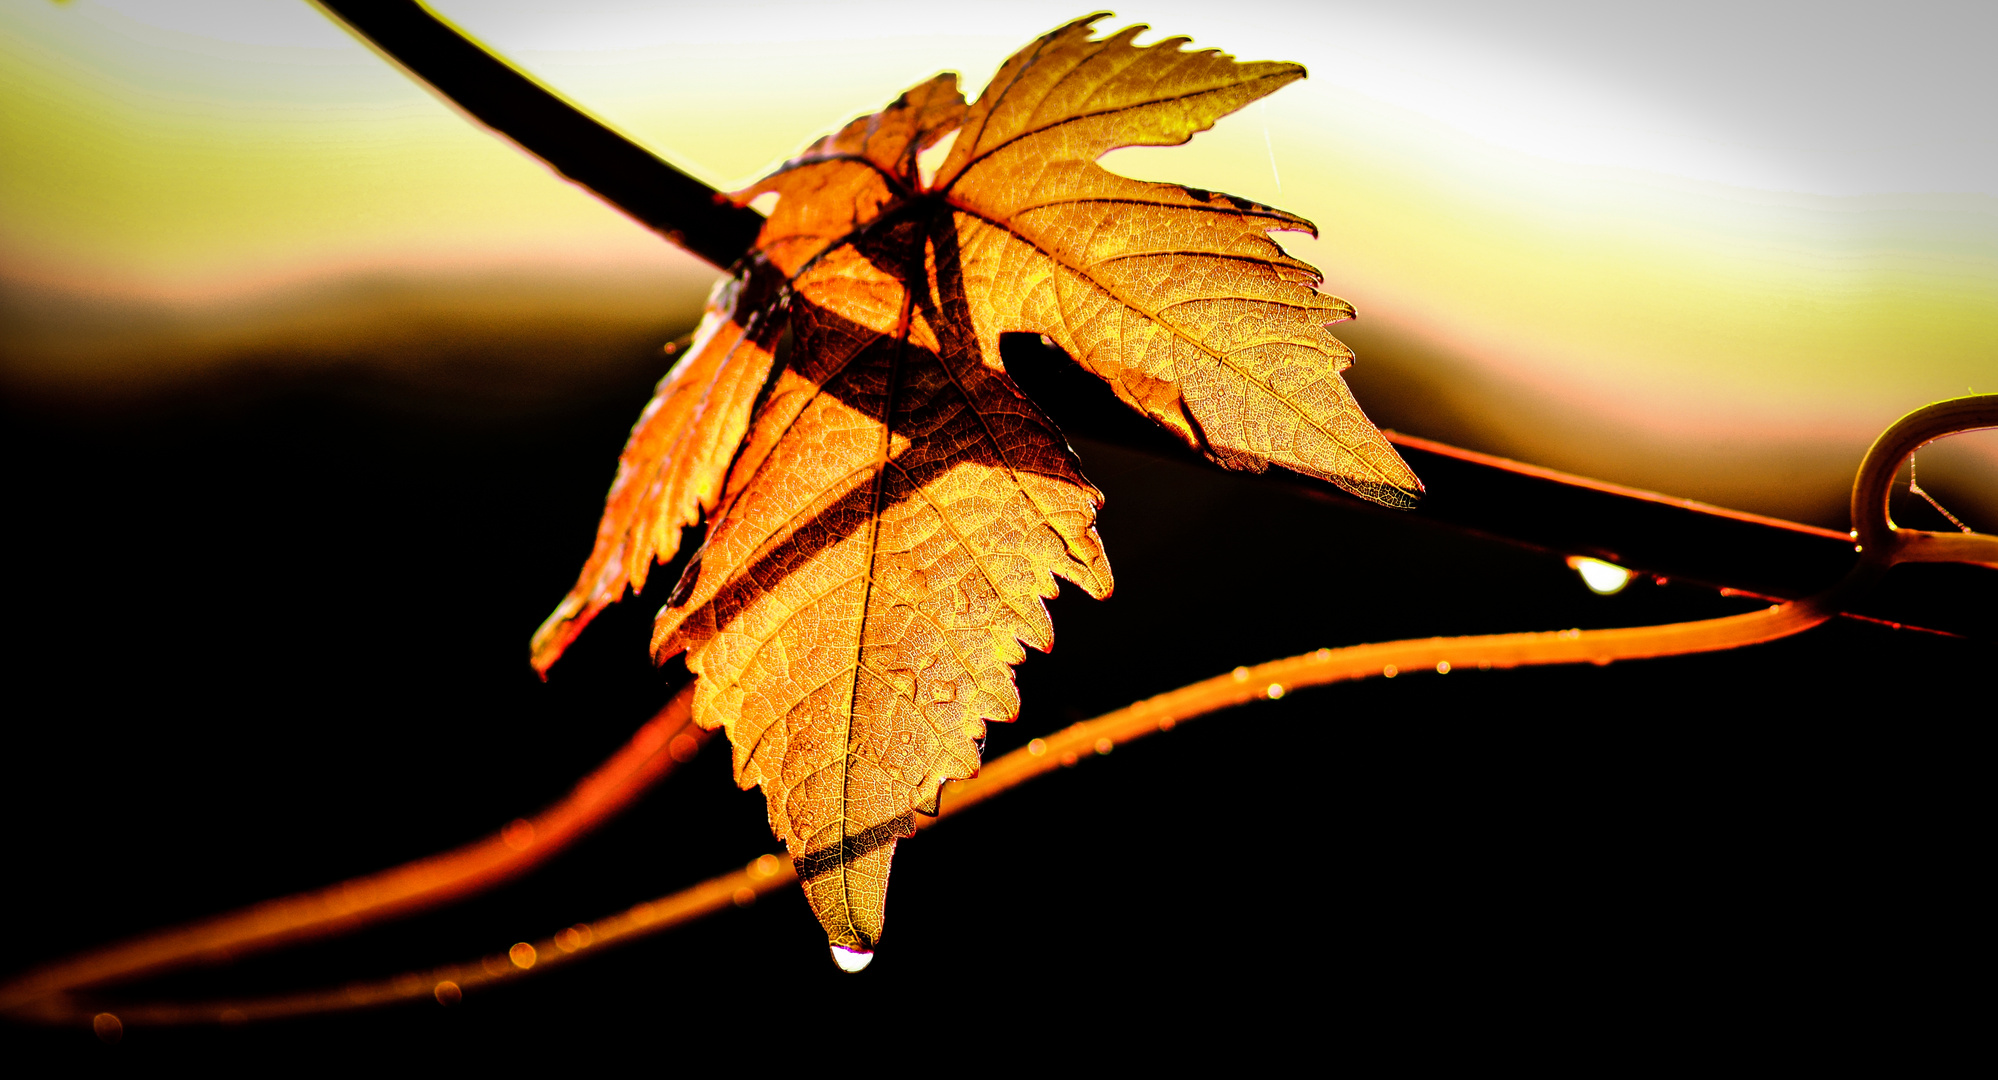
[666, 740]
[48, 995]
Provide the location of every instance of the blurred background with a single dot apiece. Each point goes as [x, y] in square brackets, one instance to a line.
[312, 389]
[1708, 249]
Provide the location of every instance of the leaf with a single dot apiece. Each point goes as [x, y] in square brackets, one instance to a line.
[672, 467]
[1177, 297]
[898, 512]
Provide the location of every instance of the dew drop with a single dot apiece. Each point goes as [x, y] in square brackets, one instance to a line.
[1241, 674]
[1390, 671]
[1274, 691]
[518, 835]
[1602, 578]
[851, 960]
[1442, 667]
[522, 955]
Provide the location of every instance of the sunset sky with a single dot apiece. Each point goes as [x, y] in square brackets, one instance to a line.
[1707, 248]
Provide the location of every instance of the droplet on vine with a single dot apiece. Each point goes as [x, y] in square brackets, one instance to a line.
[1602, 578]
[851, 960]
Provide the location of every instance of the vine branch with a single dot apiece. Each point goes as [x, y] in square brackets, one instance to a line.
[48, 996]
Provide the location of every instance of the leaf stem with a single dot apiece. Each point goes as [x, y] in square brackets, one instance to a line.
[579, 146]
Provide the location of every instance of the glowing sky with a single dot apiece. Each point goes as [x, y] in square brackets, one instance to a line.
[1669, 244]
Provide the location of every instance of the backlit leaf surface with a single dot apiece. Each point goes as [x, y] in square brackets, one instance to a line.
[896, 512]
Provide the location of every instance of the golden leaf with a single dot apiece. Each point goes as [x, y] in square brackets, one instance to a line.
[1178, 298]
[672, 467]
[897, 512]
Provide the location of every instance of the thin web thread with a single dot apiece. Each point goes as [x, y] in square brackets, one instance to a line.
[1916, 489]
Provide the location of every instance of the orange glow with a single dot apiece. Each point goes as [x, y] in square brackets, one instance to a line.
[523, 955]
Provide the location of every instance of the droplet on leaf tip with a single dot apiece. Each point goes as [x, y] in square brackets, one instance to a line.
[851, 960]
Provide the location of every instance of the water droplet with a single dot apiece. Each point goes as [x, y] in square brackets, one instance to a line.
[108, 1028]
[1323, 655]
[1390, 671]
[1068, 758]
[764, 866]
[744, 896]
[518, 835]
[1104, 746]
[522, 955]
[683, 747]
[447, 993]
[1241, 674]
[851, 960]
[1442, 667]
[1275, 691]
[1602, 578]
[1167, 723]
[1037, 747]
